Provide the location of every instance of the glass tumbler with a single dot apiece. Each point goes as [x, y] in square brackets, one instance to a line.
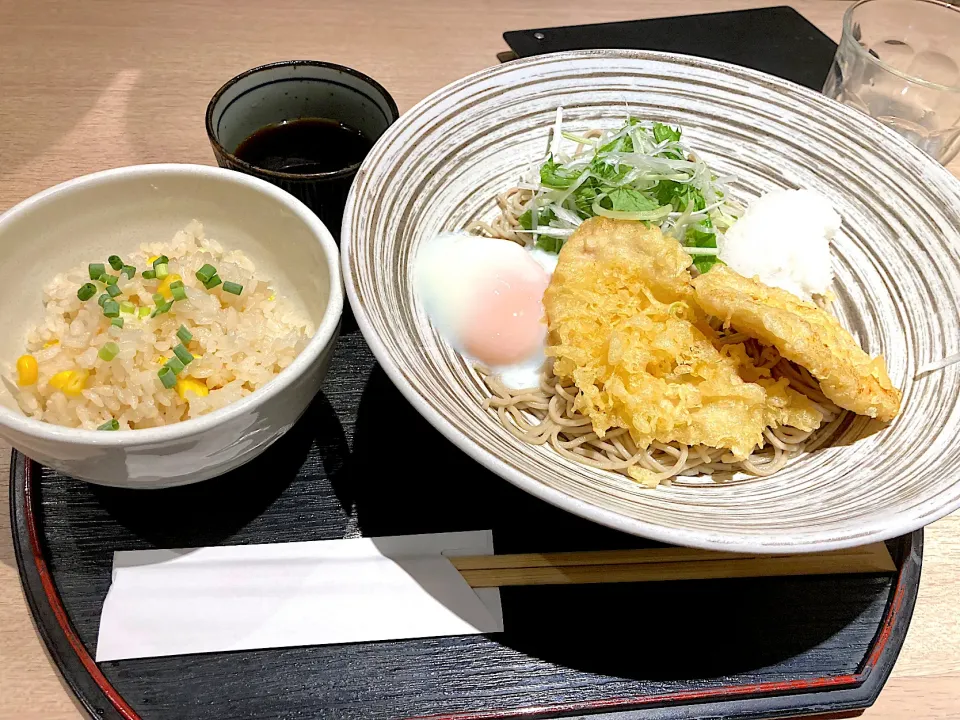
[899, 62]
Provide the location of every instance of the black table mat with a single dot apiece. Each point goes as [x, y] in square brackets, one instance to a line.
[347, 468]
[777, 40]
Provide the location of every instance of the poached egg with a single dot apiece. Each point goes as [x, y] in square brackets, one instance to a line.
[485, 296]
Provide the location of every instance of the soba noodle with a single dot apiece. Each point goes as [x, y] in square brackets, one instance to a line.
[547, 414]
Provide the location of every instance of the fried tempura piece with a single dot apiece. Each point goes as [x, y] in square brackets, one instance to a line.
[624, 327]
[804, 334]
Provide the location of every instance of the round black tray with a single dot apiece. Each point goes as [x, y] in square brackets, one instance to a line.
[772, 647]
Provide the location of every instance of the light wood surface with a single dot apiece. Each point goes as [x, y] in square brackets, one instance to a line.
[91, 85]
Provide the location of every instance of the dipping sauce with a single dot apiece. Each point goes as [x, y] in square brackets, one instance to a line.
[304, 146]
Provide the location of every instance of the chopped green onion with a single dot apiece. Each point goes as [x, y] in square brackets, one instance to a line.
[127, 307]
[161, 260]
[111, 308]
[115, 262]
[103, 298]
[109, 279]
[176, 284]
[148, 274]
[161, 270]
[129, 270]
[87, 291]
[212, 282]
[181, 352]
[178, 292]
[205, 273]
[175, 364]
[184, 334]
[103, 278]
[96, 270]
[109, 351]
[117, 321]
[159, 299]
[160, 309]
[167, 377]
[111, 424]
[143, 312]
[232, 288]
[113, 290]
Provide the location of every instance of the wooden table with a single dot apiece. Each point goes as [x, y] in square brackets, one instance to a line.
[91, 85]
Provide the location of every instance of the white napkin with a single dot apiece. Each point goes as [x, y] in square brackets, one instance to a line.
[174, 602]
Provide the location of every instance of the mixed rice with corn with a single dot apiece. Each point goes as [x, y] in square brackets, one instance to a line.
[173, 331]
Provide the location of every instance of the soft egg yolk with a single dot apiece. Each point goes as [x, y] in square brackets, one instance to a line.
[506, 321]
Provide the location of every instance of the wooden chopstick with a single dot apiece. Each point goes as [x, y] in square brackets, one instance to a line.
[659, 564]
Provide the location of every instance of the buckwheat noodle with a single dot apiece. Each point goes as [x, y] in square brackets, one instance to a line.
[547, 415]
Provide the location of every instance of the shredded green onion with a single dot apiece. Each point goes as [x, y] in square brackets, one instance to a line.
[143, 312]
[232, 288]
[184, 334]
[160, 309]
[110, 279]
[162, 270]
[129, 270]
[205, 273]
[96, 270]
[115, 262]
[159, 299]
[111, 308]
[113, 290]
[109, 351]
[127, 307]
[149, 274]
[179, 293]
[160, 260]
[185, 356]
[111, 424]
[87, 291]
[175, 364]
[212, 282]
[167, 377]
[102, 299]
[117, 321]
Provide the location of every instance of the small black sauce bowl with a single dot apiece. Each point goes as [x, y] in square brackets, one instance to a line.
[294, 89]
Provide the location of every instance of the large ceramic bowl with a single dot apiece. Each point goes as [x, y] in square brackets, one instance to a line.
[897, 264]
[113, 212]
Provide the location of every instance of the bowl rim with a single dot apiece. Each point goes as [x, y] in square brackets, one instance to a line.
[882, 527]
[324, 333]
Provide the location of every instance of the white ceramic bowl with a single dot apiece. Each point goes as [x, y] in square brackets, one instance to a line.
[113, 212]
[896, 259]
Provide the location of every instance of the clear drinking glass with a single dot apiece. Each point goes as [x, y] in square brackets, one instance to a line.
[899, 62]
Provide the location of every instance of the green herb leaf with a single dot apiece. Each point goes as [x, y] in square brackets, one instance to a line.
[554, 175]
[627, 199]
[544, 218]
[703, 263]
[663, 132]
[549, 243]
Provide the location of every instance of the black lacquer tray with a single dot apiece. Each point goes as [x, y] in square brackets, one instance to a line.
[714, 649]
[363, 462]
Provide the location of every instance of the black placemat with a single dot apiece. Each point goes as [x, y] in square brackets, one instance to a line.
[776, 40]
[347, 468]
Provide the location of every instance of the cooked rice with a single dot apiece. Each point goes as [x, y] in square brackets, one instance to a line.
[239, 342]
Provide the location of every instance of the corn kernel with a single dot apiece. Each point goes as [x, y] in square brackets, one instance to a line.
[70, 382]
[26, 370]
[272, 297]
[164, 287]
[197, 387]
[151, 259]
